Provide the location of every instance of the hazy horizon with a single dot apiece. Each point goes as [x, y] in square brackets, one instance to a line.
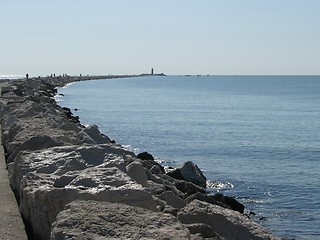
[174, 37]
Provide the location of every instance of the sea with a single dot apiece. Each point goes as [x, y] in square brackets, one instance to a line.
[256, 138]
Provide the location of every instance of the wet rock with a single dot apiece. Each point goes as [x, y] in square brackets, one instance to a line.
[229, 201]
[205, 198]
[188, 188]
[145, 156]
[191, 173]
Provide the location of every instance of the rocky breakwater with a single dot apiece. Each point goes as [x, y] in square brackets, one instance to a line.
[73, 182]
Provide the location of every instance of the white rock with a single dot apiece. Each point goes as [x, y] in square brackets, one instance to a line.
[97, 220]
[226, 223]
[47, 180]
[92, 134]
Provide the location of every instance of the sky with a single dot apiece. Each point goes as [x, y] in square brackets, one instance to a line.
[74, 37]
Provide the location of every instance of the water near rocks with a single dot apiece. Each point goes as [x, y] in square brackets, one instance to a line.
[255, 137]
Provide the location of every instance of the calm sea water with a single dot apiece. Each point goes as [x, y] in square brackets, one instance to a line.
[255, 137]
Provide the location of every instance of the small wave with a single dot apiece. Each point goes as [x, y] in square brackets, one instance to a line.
[68, 85]
[251, 200]
[130, 148]
[219, 185]
[165, 162]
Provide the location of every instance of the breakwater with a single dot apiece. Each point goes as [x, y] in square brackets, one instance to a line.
[72, 181]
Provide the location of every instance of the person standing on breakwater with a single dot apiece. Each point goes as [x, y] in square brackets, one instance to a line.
[27, 76]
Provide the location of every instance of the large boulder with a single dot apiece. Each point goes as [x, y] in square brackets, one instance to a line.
[102, 220]
[191, 173]
[91, 134]
[46, 180]
[226, 223]
[145, 156]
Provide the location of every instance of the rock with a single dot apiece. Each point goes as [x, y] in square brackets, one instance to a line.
[145, 156]
[155, 188]
[153, 177]
[137, 172]
[149, 162]
[171, 210]
[205, 198]
[229, 201]
[226, 223]
[156, 170]
[102, 220]
[35, 143]
[205, 231]
[188, 188]
[92, 134]
[171, 199]
[191, 173]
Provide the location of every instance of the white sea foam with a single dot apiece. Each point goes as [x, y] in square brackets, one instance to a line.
[219, 185]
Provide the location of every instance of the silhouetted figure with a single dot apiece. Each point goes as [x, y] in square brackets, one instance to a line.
[151, 71]
[27, 76]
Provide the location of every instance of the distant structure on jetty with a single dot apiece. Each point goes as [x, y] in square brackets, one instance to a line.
[151, 71]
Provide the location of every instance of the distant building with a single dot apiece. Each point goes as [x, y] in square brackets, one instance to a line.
[151, 71]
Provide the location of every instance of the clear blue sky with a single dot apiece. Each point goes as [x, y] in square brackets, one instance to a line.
[172, 36]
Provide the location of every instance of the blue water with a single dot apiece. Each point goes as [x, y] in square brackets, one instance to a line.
[255, 137]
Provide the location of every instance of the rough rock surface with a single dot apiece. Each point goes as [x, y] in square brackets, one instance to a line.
[117, 221]
[56, 176]
[226, 223]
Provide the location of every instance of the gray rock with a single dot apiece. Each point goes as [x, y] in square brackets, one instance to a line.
[35, 143]
[155, 188]
[102, 220]
[204, 230]
[171, 199]
[137, 172]
[226, 223]
[92, 134]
